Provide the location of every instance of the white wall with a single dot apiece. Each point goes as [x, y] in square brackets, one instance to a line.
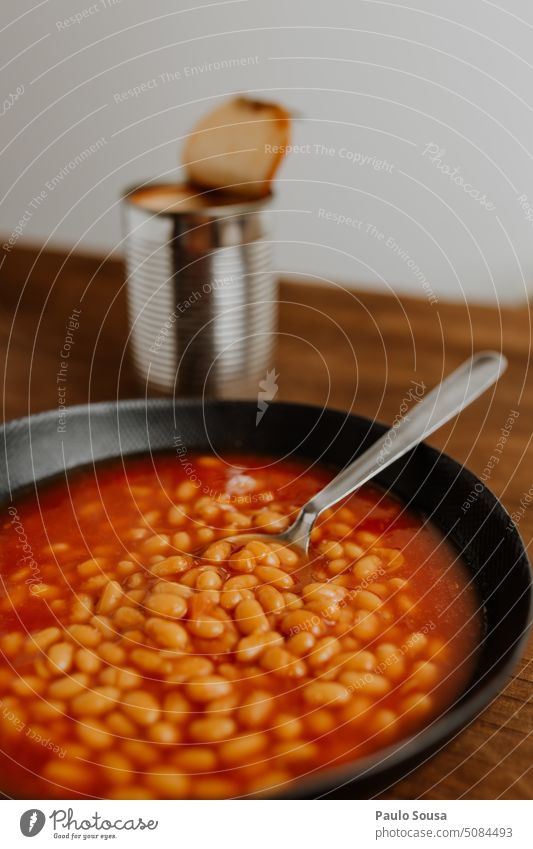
[372, 77]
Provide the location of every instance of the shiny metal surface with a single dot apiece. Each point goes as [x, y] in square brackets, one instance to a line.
[202, 299]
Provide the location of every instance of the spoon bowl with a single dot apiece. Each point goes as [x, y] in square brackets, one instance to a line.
[442, 403]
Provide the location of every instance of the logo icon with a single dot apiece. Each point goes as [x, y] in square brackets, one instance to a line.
[268, 389]
[32, 822]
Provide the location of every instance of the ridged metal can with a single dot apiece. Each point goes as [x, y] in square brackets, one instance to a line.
[202, 297]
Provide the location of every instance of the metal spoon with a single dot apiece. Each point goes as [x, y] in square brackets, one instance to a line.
[448, 398]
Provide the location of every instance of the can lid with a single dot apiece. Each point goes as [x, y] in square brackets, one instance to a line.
[177, 199]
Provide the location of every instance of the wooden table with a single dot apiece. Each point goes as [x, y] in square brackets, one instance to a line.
[352, 350]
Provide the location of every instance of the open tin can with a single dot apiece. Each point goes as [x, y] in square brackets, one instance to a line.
[202, 298]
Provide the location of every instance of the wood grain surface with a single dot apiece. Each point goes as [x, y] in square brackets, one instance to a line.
[347, 349]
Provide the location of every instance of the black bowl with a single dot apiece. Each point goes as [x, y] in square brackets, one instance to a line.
[44, 446]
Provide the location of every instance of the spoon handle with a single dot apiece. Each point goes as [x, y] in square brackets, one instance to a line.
[456, 392]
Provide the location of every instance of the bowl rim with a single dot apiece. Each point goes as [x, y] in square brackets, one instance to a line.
[429, 739]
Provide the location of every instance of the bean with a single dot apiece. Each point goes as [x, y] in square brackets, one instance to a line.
[126, 618]
[302, 620]
[87, 662]
[390, 658]
[383, 722]
[167, 604]
[279, 660]
[271, 522]
[186, 491]
[90, 567]
[256, 708]
[417, 704]
[167, 782]
[251, 647]
[367, 568]
[366, 625]
[424, 675]
[416, 643]
[212, 729]
[241, 582]
[141, 706]
[249, 617]
[85, 634]
[324, 650]
[229, 599]
[65, 688]
[60, 656]
[242, 561]
[320, 693]
[237, 751]
[301, 644]
[110, 598]
[164, 733]
[68, 774]
[94, 734]
[365, 682]
[117, 768]
[176, 707]
[203, 688]
[209, 580]
[44, 711]
[95, 702]
[270, 599]
[43, 639]
[196, 759]
[367, 600]
[190, 666]
[176, 516]
[141, 753]
[319, 722]
[112, 653]
[331, 550]
[120, 724]
[12, 643]
[28, 685]
[167, 634]
[175, 565]
[218, 551]
[147, 660]
[288, 727]
[263, 553]
[205, 535]
[286, 555]
[270, 575]
[157, 544]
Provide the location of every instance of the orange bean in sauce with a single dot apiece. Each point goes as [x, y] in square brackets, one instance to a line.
[142, 655]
